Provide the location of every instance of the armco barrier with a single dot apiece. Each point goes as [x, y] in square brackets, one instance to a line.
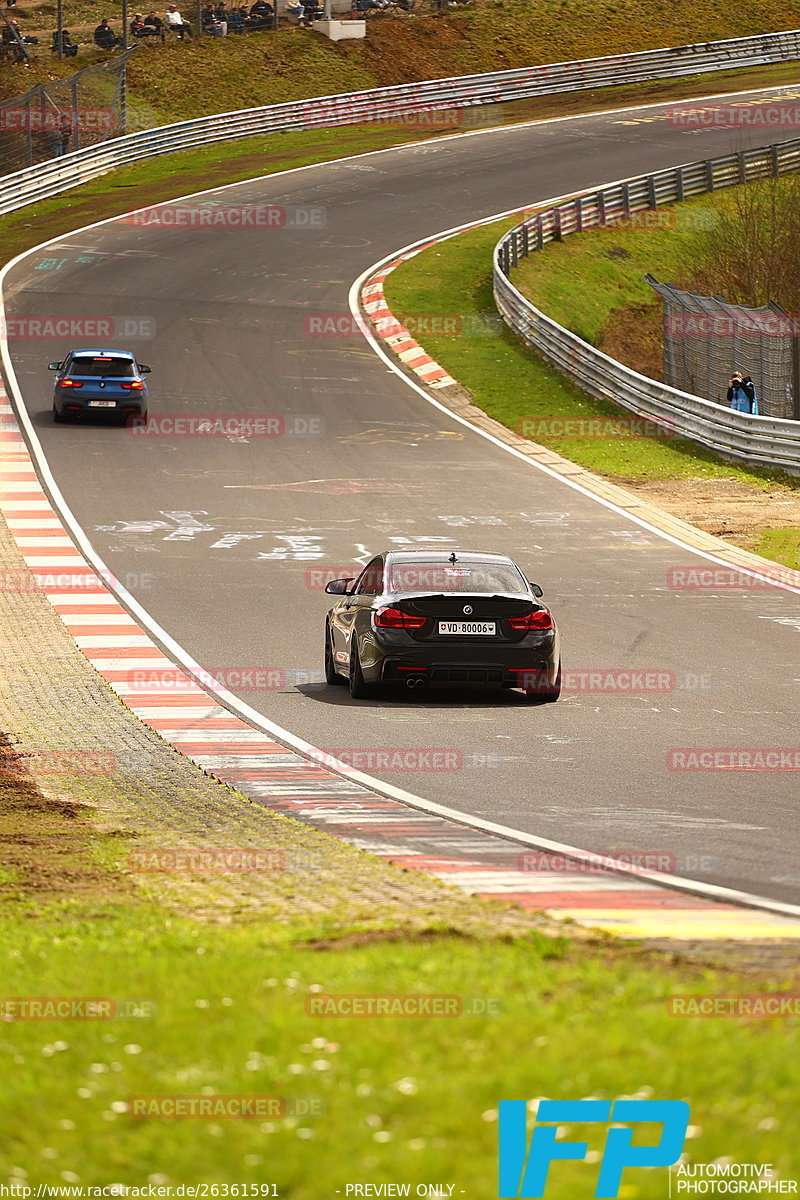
[764, 441]
[383, 104]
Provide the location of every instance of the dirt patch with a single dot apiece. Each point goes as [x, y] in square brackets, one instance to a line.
[725, 507]
[633, 335]
[45, 846]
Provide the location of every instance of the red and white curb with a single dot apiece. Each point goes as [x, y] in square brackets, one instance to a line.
[386, 325]
[239, 754]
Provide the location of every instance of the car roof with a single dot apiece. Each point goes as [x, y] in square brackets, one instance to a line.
[106, 353]
[442, 554]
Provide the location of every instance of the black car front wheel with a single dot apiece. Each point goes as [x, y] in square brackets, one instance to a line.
[359, 689]
[332, 676]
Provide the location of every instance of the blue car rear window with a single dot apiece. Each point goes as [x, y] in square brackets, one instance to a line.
[102, 368]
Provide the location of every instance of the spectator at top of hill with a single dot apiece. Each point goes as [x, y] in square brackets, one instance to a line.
[261, 12]
[175, 21]
[68, 48]
[104, 36]
[153, 21]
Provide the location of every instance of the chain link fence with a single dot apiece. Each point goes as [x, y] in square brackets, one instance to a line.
[706, 340]
[65, 114]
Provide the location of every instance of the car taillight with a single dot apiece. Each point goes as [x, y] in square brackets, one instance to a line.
[71, 383]
[137, 386]
[395, 618]
[538, 619]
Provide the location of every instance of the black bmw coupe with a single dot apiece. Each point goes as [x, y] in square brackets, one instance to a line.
[416, 618]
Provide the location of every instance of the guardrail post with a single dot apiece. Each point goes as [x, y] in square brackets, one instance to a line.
[742, 167]
[776, 162]
[28, 135]
[626, 199]
[76, 124]
[679, 191]
[539, 231]
[601, 208]
[557, 224]
[578, 215]
[709, 175]
[652, 199]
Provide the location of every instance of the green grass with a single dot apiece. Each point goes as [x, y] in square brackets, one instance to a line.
[611, 264]
[405, 1099]
[781, 545]
[515, 386]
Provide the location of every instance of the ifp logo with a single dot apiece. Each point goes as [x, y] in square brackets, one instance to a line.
[523, 1170]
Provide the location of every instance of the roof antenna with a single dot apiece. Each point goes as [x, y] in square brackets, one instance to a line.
[453, 558]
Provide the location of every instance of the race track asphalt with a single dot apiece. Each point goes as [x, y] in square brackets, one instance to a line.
[216, 536]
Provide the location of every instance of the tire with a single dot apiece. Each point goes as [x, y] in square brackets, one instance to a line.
[332, 676]
[359, 690]
[57, 416]
[540, 695]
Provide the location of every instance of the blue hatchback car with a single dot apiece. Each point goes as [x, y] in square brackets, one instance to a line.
[99, 381]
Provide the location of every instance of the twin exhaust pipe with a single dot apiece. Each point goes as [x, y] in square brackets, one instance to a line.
[416, 682]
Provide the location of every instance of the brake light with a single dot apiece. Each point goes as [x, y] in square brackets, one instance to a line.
[538, 619]
[67, 383]
[395, 618]
[137, 386]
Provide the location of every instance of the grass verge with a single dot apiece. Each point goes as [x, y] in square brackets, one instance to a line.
[227, 1010]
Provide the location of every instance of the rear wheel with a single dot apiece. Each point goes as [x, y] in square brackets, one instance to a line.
[332, 676]
[359, 690]
[57, 416]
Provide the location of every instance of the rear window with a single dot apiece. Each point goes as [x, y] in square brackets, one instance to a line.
[102, 368]
[455, 577]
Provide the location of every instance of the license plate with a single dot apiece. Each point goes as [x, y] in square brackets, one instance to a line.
[467, 628]
[102, 404]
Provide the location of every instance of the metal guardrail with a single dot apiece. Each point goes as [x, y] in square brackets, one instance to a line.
[384, 104]
[763, 441]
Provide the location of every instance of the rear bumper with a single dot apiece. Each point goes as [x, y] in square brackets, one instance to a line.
[71, 404]
[506, 667]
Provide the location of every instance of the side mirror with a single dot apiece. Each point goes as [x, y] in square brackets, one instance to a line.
[537, 591]
[143, 370]
[54, 366]
[338, 587]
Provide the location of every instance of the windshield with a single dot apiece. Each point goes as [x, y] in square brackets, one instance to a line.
[480, 577]
[96, 367]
